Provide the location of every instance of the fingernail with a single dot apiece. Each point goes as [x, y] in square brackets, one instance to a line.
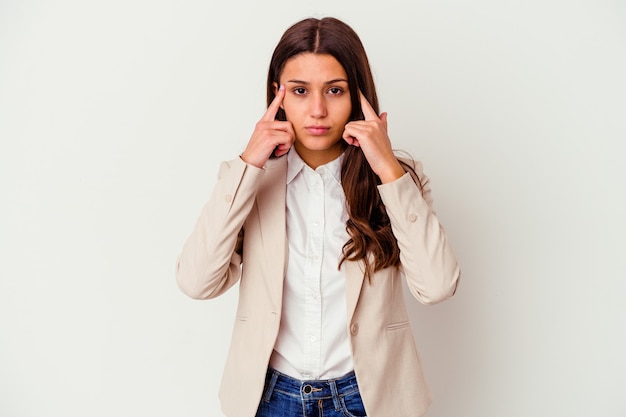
[281, 88]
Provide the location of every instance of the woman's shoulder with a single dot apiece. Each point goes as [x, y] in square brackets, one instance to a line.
[409, 164]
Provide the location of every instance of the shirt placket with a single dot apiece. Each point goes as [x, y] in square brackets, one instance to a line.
[313, 269]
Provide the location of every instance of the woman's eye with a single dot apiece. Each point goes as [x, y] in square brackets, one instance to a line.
[335, 90]
[299, 90]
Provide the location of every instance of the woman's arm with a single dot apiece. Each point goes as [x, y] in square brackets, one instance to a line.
[426, 257]
[211, 259]
[210, 262]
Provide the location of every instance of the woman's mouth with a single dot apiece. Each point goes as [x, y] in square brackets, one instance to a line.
[317, 130]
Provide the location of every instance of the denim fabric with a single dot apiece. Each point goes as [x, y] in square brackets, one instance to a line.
[284, 396]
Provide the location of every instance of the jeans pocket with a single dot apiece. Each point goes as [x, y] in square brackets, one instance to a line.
[270, 383]
[352, 405]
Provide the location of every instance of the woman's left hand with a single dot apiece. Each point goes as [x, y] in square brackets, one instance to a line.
[371, 136]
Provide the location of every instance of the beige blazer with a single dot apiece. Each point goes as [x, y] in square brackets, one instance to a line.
[241, 237]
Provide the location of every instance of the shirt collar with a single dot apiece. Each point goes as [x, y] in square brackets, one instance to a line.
[295, 164]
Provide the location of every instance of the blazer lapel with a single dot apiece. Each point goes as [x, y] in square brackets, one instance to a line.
[355, 274]
[271, 204]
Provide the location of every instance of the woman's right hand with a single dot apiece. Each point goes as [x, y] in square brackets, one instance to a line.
[270, 135]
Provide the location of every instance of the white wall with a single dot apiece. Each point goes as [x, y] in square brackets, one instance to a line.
[113, 119]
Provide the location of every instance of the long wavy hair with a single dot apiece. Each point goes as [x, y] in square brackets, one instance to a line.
[369, 228]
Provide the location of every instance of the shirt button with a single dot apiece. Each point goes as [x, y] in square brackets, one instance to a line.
[228, 198]
[354, 329]
[412, 218]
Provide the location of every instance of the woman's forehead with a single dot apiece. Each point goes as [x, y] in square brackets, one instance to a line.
[312, 67]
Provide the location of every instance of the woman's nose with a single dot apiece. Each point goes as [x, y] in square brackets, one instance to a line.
[318, 106]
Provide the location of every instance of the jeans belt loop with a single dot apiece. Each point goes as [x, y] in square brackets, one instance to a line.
[333, 389]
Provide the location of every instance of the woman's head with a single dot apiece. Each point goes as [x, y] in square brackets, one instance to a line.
[325, 36]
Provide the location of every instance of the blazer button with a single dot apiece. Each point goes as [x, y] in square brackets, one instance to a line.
[354, 329]
[412, 218]
[228, 198]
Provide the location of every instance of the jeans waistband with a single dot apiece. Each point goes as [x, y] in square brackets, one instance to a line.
[310, 389]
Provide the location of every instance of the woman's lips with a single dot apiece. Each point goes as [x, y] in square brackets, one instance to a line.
[317, 130]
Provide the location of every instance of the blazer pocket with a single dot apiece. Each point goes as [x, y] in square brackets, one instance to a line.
[240, 319]
[397, 326]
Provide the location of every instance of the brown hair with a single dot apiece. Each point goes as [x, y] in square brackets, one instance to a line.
[371, 237]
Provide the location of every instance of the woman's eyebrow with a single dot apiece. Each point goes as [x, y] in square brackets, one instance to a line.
[337, 80]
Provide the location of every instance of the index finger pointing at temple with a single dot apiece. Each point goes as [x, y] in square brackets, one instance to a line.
[366, 107]
[272, 109]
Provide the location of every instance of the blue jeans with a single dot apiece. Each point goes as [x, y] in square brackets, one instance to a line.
[284, 396]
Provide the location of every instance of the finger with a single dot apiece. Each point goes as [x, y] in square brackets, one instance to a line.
[277, 125]
[282, 149]
[272, 109]
[287, 141]
[358, 129]
[366, 107]
[349, 138]
[351, 141]
[383, 118]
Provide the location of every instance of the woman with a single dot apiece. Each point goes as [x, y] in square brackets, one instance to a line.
[318, 221]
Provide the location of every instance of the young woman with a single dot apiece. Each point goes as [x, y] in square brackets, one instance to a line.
[319, 221]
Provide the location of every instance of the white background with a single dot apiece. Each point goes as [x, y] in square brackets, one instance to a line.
[115, 115]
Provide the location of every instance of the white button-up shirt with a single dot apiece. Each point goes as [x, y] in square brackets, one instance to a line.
[313, 341]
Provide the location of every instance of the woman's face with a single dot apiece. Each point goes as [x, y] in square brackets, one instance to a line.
[317, 103]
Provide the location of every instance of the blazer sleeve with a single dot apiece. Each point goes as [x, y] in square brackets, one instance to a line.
[210, 262]
[426, 257]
